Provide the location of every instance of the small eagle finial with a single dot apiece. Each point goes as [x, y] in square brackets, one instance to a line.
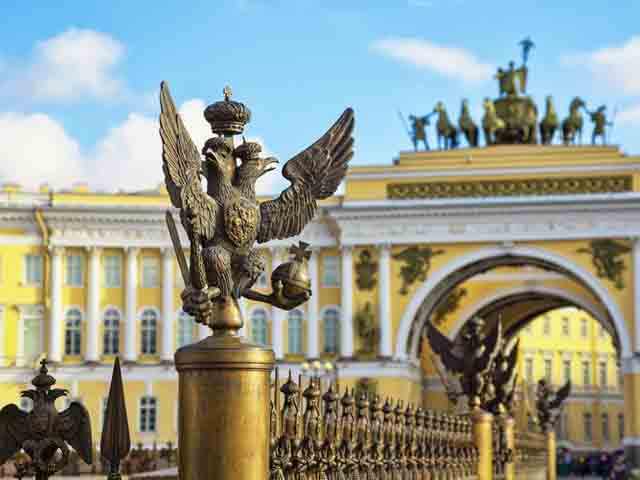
[226, 91]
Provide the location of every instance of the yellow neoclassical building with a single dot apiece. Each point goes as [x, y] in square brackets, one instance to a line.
[511, 233]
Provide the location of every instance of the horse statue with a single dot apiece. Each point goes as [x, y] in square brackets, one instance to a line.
[467, 126]
[549, 123]
[447, 132]
[491, 122]
[572, 125]
[531, 124]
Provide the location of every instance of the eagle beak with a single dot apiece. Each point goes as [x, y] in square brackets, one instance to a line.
[269, 161]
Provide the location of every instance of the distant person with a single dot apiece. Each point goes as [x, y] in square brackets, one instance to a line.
[619, 470]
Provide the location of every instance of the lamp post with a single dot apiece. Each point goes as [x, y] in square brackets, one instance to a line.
[317, 369]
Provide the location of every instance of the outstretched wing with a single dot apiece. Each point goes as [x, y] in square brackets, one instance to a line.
[13, 431]
[74, 427]
[512, 351]
[181, 165]
[561, 395]
[314, 173]
[441, 345]
[491, 344]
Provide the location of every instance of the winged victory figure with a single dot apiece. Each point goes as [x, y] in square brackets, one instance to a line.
[472, 360]
[224, 222]
[44, 431]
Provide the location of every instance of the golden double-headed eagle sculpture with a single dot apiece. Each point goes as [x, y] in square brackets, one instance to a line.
[224, 222]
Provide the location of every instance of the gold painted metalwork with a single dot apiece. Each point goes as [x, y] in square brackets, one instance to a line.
[572, 125]
[467, 125]
[115, 442]
[366, 329]
[549, 123]
[499, 395]
[366, 271]
[549, 404]
[366, 386]
[448, 305]
[44, 433]
[472, 361]
[447, 133]
[416, 265]
[357, 436]
[530, 452]
[511, 188]
[607, 257]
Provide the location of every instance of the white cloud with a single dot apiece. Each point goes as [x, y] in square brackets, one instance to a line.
[618, 65]
[128, 158]
[449, 61]
[75, 64]
[36, 149]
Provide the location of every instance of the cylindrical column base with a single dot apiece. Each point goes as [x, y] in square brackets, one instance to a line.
[223, 420]
[551, 453]
[508, 425]
[483, 438]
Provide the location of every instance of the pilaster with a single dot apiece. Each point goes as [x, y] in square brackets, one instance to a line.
[131, 305]
[167, 351]
[346, 307]
[55, 314]
[384, 301]
[92, 353]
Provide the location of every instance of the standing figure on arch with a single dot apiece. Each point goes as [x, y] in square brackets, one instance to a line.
[418, 130]
[600, 124]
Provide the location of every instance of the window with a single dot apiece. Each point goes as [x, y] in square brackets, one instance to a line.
[330, 321]
[603, 374]
[149, 331]
[33, 269]
[567, 370]
[588, 430]
[148, 414]
[565, 326]
[185, 329]
[111, 333]
[259, 326]
[528, 369]
[548, 369]
[32, 318]
[72, 334]
[26, 404]
[546, 326]
[74, 271]
[561, 426]
[586, 374]
[621, 426]
[605, 428]
[150, 272]
[294, 327]
[584, 327]
[330, 271]
[112, 271]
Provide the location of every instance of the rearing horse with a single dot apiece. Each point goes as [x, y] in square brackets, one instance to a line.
[549, 123]
[573, 123]
[491, 122]
[445, 129]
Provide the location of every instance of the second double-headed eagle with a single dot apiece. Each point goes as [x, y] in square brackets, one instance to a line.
[226, 220]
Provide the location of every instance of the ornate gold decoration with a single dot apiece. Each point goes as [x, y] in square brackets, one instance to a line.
[366, 271]
[549, 404]
[44, 433]
[511, 188]
[499, 395]
[572, 125]
[472, 360]
[448, 305]
[365, 322]
[416, 265]
[224, 222]
[294, 274]
[606, 257]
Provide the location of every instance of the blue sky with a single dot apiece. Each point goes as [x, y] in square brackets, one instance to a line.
[79, 80]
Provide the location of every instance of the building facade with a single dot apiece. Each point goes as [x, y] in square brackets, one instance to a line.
[509, 233]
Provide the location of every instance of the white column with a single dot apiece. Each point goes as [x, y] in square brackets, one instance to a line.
[312, 308]
[131, 305]
[636, 291]
[168, 313]
[384, 301]
[346, 307]
[55, 315]
[277, 314]
[93, 306]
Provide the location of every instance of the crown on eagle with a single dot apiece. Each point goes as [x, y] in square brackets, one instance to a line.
[247, 150]
[227, 117]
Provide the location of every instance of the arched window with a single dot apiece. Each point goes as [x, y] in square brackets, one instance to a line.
[185, 329]
[72, 338]
[331, 323]
[111, 336]
[294, 326]
[259, 326]
[149, 331]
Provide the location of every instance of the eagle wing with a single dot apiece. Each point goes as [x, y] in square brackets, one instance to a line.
[14, 430]
[561, 395]
[441, 345]
[74, 427]
[181, 165]
[492, 344]
[315, 174]
[512, 351]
